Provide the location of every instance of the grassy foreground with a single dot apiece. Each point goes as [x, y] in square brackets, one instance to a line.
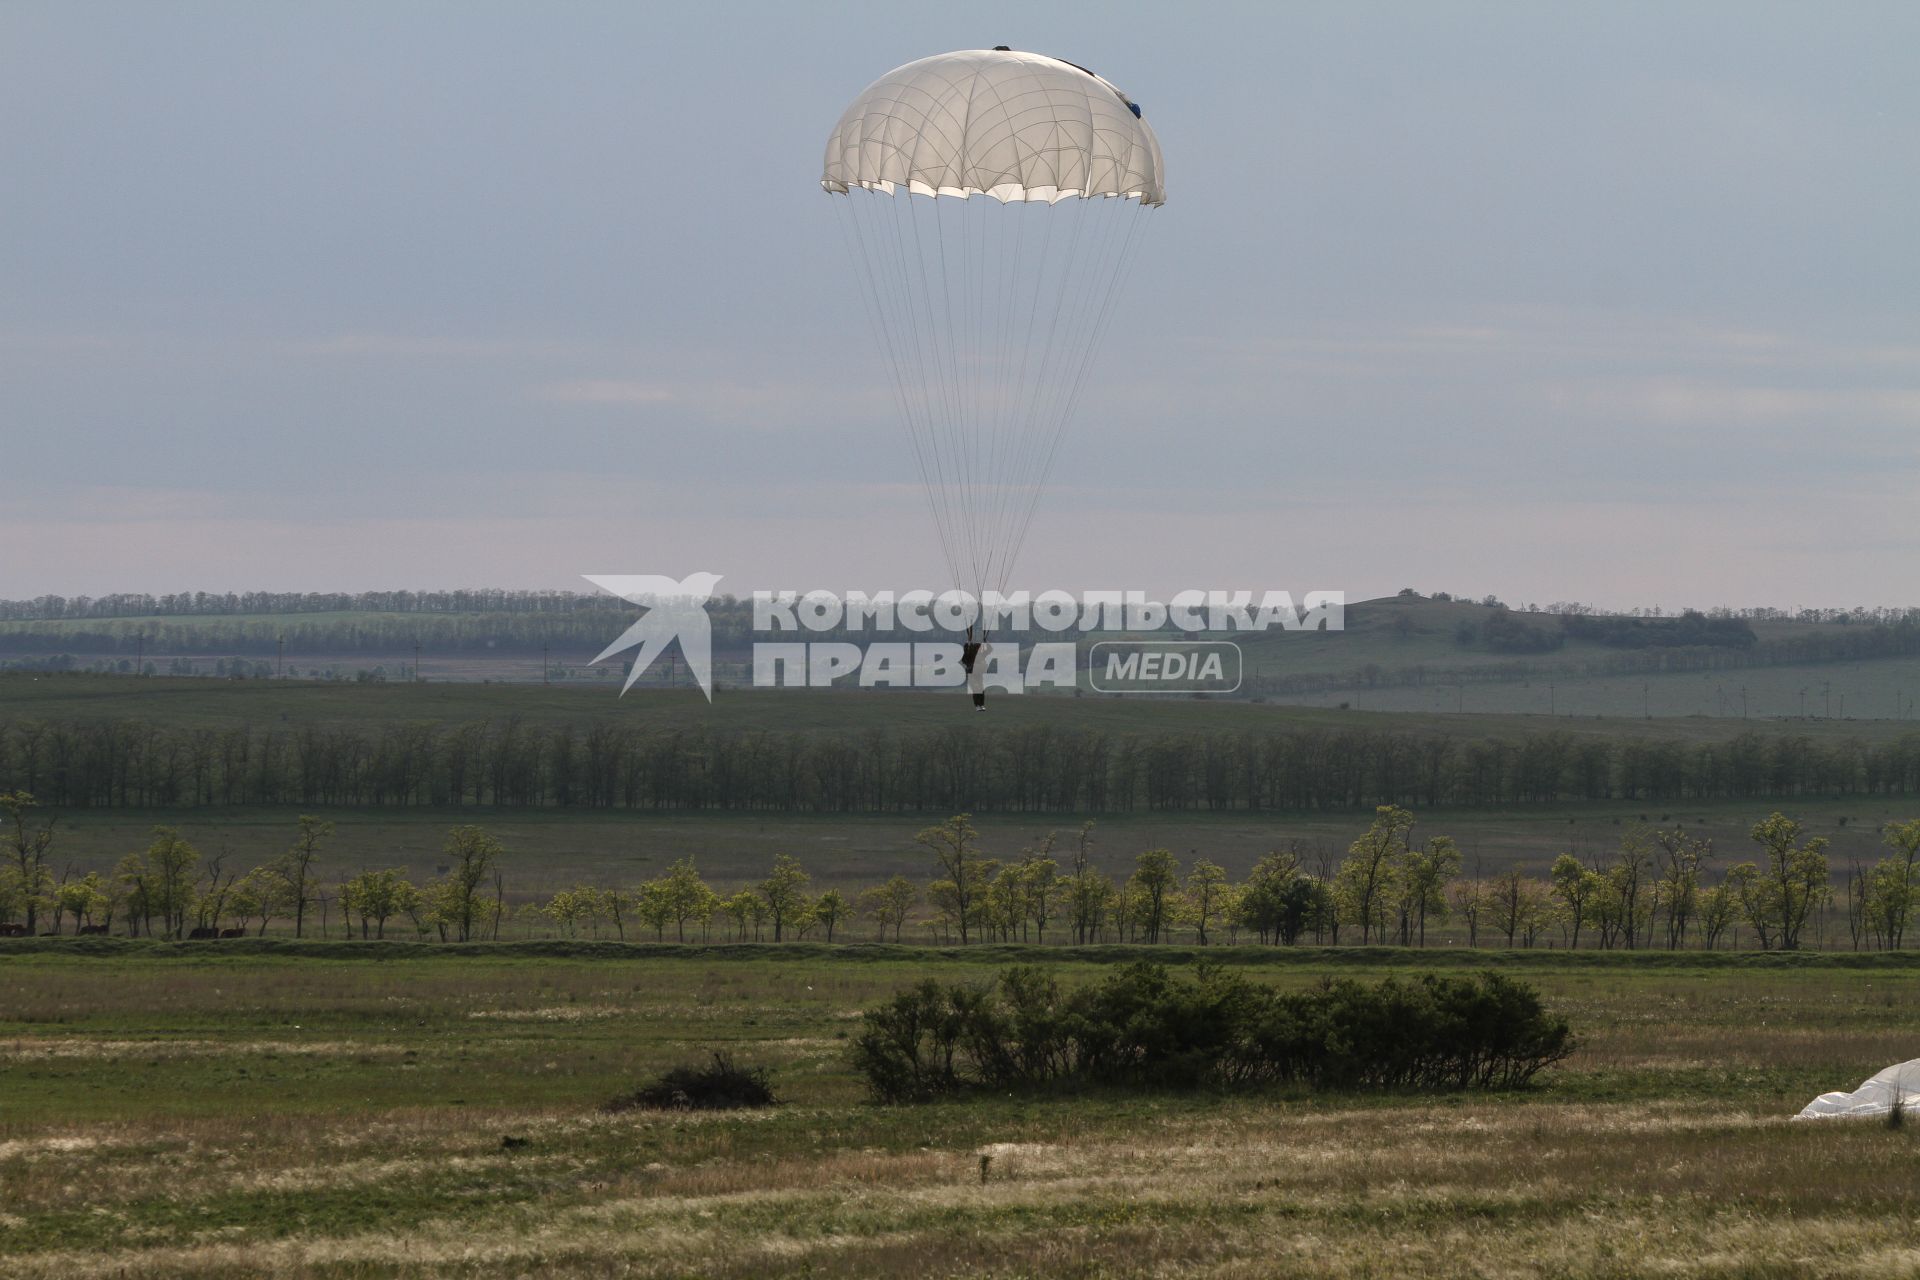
[335, 1111]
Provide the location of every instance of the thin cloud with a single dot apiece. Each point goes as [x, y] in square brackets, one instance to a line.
[607, 391]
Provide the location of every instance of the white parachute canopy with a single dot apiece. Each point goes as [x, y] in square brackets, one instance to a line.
[1899, 1084]
[991, 201]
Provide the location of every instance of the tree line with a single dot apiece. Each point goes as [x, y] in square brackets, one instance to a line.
[1659, 889]
[1034, 768]
[1506, 633]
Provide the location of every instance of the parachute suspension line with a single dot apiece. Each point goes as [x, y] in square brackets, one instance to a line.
[1009, 424]
[932, 371]
[1068, 328]
[1013, 417]
[915, 374]
[944, 424]
[1006, 321]
[1103, 321]
[1018, 464]
[874, 298]
[1097, 314]
[990, 335]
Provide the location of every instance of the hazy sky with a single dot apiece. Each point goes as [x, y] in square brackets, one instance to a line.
[1604, 302]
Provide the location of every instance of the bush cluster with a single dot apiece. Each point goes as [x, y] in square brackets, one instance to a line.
[1146, 1028]
[721, 1085]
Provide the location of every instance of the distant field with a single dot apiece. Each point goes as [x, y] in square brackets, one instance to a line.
[1801, 696]
[1395, 654]
[196, 702]
[174, 1114]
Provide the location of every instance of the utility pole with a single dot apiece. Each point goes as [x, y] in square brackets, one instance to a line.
[1646, 700]
[140, 654]
[1803, 704]
[279, 653]
[544, 677]
[416, 662]
[1826, 688]
[1743, 702]
[1551, 705]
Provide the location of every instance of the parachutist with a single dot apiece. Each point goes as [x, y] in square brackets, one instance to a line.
[987, 392]
[970, 654]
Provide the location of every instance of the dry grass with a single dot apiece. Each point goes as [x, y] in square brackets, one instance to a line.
[1487, 1189]
[330, 1143]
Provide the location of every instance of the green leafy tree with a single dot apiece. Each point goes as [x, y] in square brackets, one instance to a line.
[1089, 891]
[829, 909]
[376, 897]
[889, 905]
[1208, 897]
[297, 866]
[964, 874]
[1682, 858]
[1041, 887]
[1628, 878]
[28, 843]
[785, 893]
[1892, 885]
[170, 872]
[85, 898]
[1005, 907]
[1719, 908]
[259, 895]
[1790, 883]
[1471, 896]
[655, 906]
[1154, 887]
[1363, 886]
[1519, 907]
[1420, 881]
[746, 909]
[474, 858]
[1575, 888]
[1279, 901]
[617, 907]
[687, 895]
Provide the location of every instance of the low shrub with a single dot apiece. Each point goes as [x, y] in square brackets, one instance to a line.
[1146, 1028]
[721, 1085]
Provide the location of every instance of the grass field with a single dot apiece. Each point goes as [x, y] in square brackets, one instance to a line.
[323, 1112]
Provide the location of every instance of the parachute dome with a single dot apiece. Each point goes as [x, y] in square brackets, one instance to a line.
[1011, 125]
[1900, 1082]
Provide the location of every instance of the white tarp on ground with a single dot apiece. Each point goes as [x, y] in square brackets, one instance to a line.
[1874, 1098]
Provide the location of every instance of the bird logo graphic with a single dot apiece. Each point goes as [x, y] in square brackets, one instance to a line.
[674, 610]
